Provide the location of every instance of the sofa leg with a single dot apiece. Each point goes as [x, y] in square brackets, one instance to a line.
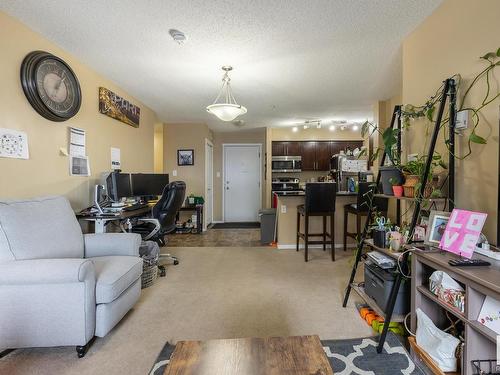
[82, 350]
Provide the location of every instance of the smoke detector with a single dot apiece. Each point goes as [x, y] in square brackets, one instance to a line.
[178, 36]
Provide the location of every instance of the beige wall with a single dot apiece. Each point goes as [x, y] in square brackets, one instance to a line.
[46, 172]
[257, 136]
[158, 148]
[450, 41]
[186, 136]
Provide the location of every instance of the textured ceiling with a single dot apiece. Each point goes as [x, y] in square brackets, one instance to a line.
[293, 59]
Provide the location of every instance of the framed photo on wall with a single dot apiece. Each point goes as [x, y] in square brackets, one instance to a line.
[185, 157]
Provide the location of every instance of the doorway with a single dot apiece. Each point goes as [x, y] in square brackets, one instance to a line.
[209, 183]
[241, 187]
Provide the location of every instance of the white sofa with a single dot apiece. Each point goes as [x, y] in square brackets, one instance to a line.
[60, 287]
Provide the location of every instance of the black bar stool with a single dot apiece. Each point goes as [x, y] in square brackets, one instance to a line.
[320, 201]
[360, 208]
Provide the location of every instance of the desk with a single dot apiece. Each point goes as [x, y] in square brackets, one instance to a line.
[100, 221]
[250, 356]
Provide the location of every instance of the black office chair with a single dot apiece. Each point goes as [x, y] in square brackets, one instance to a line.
[163, 216]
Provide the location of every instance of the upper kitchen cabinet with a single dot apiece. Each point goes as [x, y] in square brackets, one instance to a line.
[309, 156]
[323, 155]
[286, 148]
[316, 155]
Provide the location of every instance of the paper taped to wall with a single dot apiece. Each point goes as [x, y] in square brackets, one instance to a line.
[77, 142]
[79, 166]
[13, 144]
[115, 159]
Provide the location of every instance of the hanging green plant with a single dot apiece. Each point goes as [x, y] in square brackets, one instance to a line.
[411, 112]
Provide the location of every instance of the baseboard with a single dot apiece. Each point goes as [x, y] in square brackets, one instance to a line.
[301, 246]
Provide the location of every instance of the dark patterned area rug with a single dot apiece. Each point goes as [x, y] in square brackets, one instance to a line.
[355, 356]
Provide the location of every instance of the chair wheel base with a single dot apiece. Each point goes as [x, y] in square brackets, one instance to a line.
[163, 271]
[176, 262]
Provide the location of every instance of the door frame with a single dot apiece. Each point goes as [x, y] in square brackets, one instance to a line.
[209, 177]
[224, 146]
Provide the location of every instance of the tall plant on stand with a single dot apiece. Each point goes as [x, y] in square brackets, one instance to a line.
[410, 112]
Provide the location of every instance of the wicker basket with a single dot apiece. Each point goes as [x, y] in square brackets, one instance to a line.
[149, 274]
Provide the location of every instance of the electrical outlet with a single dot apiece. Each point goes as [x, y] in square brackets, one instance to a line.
[174, 172]
[283, 209]
[462, 120]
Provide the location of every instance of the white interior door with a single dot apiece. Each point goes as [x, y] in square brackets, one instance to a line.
[242, 185]
[209, 181]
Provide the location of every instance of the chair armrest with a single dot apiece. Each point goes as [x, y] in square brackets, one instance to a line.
[105, 244]
[46, 271]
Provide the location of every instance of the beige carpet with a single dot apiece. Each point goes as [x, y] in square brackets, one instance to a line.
[214, 293]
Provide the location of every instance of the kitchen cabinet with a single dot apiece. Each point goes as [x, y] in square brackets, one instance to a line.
[323, 155]
[286, 148]
[309, 156]
[315, 154]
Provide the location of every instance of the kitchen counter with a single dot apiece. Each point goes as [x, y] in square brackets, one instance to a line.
[287, 220]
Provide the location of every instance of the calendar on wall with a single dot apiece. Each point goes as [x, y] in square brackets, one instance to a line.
[13, 144]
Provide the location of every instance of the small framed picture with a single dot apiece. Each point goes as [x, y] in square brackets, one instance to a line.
[185, 157]
[436, 227]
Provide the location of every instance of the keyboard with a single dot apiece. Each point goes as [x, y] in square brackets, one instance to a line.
[135, 206]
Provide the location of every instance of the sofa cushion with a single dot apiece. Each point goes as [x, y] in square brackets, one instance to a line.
[39, 228]
[114, 274]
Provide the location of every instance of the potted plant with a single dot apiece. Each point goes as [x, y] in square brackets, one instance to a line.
[397, 188]
[414, 171]
[391, 172]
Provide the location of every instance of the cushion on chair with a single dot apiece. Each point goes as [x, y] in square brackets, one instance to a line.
[114, 274]
[39, 228]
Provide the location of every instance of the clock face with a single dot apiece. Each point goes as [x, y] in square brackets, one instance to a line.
[50, 86]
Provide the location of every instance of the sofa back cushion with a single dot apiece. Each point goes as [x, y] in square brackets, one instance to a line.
[39, 228]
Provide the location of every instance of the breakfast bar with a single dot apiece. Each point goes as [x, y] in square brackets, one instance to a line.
[287, 217]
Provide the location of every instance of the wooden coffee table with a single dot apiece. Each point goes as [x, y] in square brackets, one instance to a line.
[274, 355]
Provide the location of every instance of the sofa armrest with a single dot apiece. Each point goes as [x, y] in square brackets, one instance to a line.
[46, 271]
[105, 244]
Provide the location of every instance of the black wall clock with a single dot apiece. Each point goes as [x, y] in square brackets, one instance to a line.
[50, 86]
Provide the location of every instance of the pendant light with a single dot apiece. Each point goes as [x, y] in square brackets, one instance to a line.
[228, 110]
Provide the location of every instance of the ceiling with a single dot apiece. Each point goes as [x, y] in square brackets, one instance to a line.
[293, 59]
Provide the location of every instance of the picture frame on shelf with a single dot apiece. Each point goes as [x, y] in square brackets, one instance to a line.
[185, 157]
[436, 227]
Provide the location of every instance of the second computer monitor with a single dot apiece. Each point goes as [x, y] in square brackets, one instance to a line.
[148, 184]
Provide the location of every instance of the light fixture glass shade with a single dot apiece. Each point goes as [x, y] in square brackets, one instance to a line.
[226, 111]
[229, 109]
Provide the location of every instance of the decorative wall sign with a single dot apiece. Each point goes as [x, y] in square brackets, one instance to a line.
[50, 86]
[462, 232]
[185, 157]
[13, 144]
[118, 108]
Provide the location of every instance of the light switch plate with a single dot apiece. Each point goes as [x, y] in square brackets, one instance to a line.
[174, 172]
[283, 209]
[218, 174]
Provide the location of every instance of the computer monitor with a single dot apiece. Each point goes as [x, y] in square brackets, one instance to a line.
[118, 186]
[148, 184]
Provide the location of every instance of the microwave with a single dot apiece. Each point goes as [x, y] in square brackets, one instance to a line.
[286, 164]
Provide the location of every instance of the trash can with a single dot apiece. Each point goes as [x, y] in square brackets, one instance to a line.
[267, 225]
